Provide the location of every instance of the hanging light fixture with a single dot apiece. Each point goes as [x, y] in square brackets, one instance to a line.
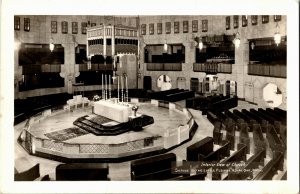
[51, 45]
[277, 35]
[237, 40]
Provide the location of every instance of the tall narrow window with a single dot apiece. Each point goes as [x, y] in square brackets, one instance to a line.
[26, 24]
[265, 19]
[83, 27]
[64, 27]
[195, 25]
[53, 26]
[235, 21]
[176, 27]
[254, 20]
[143, 29]
[227, 22]
[168, 27]
[244, 21]
[151, 28]
[159, 28]
[277, 18]
[74, 27]
[185, 26]
[17, 22]
[204, 25]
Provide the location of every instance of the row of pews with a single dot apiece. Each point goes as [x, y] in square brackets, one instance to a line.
[172, 95]
[212, 103]
[209, 162]
[268, 127]
[25, 108]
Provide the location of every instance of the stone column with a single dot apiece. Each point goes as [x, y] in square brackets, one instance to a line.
[240, 68]
[188, 65]
[68, 70]
[142, 68]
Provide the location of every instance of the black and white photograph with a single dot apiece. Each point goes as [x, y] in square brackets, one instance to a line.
[109, 97]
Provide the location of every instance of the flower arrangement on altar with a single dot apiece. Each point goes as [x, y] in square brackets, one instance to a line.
[96, 98]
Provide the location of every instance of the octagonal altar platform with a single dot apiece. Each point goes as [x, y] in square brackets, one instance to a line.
[52, 134]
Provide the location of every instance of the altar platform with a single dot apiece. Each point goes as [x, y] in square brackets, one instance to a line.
[53, 135]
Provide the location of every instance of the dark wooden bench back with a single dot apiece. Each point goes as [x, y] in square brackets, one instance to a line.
[82, 172]
[28, 175]
[204, 147]
[149, 168]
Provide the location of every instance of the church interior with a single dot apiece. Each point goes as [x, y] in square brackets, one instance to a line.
[150, 97]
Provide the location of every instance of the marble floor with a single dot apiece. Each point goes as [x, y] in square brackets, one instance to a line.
[120, 171]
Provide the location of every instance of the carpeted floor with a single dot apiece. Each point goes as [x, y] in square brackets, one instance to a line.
[66, 134]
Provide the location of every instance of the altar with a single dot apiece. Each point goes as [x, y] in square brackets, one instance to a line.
[113, 111]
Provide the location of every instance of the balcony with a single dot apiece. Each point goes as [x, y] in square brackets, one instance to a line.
[164, 66]
[95, 67]
[212, 68]
[269, 70]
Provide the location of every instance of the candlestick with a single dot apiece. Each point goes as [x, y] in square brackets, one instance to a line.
[121, 88]
[102, 87]
[118, 87]
[126, 89]
[105, 87]
[109, 86]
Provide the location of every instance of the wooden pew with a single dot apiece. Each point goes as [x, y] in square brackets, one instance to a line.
[157, 167]
[179, 96]
[204, 147]
[238, 156]
[271, 168]
[273, 114]
[82, 172]
[247, 171]
[160, 95]
[246, 118]
[212, 117]
[258, 138]
[275, 143]
[216, 156]
[232, 116]
[29, 175]
[264, 123]
[224, 104]
[217, 134]
[230, 132]
[265, 117]
[281, 112]
[244, 135]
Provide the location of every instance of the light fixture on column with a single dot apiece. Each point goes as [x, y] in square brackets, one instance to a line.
[277, 35]
[165, 47]
[252, 45]
[200, 43]
[51, 45]
[237, 40]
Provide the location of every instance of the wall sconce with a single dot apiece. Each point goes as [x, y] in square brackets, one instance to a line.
[237, 40]
[51, 45]
[277, 35]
